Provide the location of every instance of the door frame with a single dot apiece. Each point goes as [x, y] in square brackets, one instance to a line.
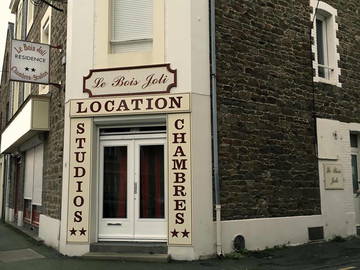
[140, 137]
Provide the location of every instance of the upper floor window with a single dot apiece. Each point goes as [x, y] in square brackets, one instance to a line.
[19, 20]
[132, 25]
[325, 43]
[45, 37]
[354, 143]
[30, 15]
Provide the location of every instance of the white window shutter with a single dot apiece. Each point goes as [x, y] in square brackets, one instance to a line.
[29, 174]
[132, 20]
[38, 174]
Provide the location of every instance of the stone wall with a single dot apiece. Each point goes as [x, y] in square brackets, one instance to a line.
[267, 139]
[53, 143]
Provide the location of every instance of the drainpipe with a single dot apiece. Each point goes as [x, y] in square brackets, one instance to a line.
[215, 129]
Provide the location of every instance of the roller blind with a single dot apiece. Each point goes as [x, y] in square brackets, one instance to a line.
[29, 174]
[34, 159]
[38, 174]
[132, 20]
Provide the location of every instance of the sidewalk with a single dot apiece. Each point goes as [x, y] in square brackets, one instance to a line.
[20, 252]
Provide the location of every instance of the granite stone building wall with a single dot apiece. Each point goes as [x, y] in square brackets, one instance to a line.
[53, 145]
[52, 140]
[268, 103]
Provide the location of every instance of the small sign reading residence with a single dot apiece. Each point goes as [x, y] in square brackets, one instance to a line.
[29, 62]
[180, 194]
[130, 80]
[175, 103]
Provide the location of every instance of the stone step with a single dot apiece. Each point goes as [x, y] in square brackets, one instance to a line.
[130, 247]
[127, 257]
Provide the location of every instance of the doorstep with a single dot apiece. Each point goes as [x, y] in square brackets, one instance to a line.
[130, 247]
[129, 251]
[127, 257]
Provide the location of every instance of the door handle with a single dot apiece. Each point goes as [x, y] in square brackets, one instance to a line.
[114, 224]
[135, 188]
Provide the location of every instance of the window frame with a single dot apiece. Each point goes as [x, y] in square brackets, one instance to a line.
[130, 44]
[45, 25]
[103, 54]
[327, 14]
[355, 151]
[29, 19]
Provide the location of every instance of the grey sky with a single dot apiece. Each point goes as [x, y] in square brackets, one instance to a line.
[5, 16]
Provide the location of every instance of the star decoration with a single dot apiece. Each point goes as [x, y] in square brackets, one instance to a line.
[185, 234]
[33, 69]
[73, 231]
[82, 231]
[174, 233]
[26, 69]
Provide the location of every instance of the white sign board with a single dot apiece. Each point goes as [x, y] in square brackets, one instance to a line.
[334, 178]
[180, 195]
[130, 80]
[29, 62]
[80, 179]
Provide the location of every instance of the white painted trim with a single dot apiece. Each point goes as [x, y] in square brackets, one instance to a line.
[49, 231]
[264, 233]
[330, 13]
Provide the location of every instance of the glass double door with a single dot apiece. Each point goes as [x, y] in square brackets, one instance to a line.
[132, 191]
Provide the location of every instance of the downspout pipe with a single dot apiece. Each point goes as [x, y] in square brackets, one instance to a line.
[215, 151]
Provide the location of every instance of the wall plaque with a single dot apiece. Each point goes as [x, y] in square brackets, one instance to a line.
[130, 80]
[180, 196]
[79, 183]
[333, 175]
[30, 62]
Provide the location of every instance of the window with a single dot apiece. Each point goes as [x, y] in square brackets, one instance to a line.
[325, 43]
[33, 184]
[30, 15]
[45, 37]
[19, 21]
[27, 90]
[354, 143]
[132, 25]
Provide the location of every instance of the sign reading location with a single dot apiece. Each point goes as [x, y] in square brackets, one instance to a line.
[130, 80]
[29, 62]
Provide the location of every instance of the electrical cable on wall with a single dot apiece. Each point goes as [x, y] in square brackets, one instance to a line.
[313, 83]
[48, 2]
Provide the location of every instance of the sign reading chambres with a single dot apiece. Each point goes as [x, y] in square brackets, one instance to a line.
[130, 80]
[179, 151]
[29, 62]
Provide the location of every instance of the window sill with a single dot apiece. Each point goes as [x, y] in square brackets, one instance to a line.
[326, 81]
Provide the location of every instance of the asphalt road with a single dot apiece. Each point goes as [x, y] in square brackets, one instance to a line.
[20, 252]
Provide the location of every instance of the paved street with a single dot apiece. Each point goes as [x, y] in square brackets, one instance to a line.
[20, 252]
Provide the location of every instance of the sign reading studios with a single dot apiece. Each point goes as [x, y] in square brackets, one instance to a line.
[177, 108]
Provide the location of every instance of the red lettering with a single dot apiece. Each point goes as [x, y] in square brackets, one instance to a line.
[179, 151]
[80, 109]
[80, 142]
[179, 164]
[79, 172]
[179, 137]
[78, 201]
[80, 128]
[179, 177]
[179, 191]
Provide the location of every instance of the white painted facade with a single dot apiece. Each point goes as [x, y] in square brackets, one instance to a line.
[180, 38]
